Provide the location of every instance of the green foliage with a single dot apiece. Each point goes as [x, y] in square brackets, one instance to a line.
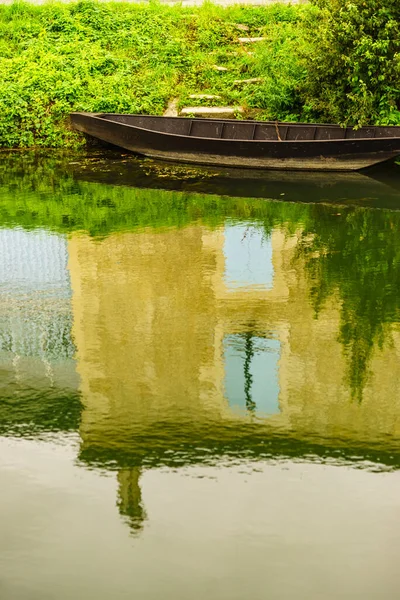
[353, 62]
[132, 58]
[338, 61]
[278, 93]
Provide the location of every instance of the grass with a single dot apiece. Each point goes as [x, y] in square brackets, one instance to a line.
[134, 58]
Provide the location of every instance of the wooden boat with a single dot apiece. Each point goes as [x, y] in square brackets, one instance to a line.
[246, 144]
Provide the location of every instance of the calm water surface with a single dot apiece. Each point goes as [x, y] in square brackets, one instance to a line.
[199, 392]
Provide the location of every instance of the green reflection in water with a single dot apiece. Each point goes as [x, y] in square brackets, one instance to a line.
[350, 253]
[29, 412]
[357, 254]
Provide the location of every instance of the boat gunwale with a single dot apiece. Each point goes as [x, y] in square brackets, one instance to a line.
[96, 117]
[106, 116]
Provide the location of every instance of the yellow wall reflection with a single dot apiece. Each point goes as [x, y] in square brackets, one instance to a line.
[151, 313]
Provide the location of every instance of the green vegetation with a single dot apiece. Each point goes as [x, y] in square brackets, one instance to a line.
[119, 57]
[353, 61]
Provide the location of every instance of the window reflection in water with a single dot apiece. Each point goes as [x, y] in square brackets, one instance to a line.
[248, 257]
[251, 373]
[250, 358]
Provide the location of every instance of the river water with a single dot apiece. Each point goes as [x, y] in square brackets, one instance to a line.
[199, 382]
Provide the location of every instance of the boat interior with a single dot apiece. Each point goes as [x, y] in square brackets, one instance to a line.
[232, 129]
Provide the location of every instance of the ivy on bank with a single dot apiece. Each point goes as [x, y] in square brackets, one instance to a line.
[336, 60]
[133, 58]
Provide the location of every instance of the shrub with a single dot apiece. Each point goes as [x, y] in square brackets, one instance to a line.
[353, 61]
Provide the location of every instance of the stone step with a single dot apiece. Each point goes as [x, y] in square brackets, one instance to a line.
[248, 81]
[242, 27]
[251, 40]
[172, 108]
[204, 97]
[216, 112]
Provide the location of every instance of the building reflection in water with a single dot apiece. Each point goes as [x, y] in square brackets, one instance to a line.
[165, 333]
[178, 331]
[159, 334]
[169, 331]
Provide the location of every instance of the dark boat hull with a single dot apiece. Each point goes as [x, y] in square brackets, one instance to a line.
[297, 153]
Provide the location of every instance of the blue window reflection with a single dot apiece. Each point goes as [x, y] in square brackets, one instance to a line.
[248, 257]
[251, 373]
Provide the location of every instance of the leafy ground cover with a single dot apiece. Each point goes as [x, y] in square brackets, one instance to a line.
[134, 58]
[117, 57]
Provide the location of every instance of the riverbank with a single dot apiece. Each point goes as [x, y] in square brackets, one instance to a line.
[121, 57]
[136, 58]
